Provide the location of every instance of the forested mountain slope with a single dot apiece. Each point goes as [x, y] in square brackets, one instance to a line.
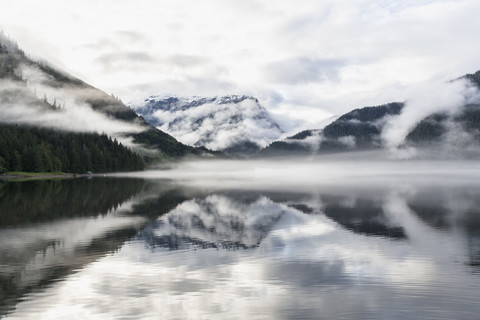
[446, 134]
[35, 95]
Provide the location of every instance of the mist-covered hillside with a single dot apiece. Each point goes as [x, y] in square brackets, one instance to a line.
[459, 129]
[35, 95]
[359, 129]
[236, 125]
[449, 131]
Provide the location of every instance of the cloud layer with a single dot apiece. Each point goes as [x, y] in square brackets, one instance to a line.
[317, 58]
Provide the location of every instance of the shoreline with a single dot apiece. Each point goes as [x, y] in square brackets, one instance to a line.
[33, 175]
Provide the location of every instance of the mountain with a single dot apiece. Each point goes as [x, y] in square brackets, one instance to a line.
[438, 135]
[237, 125]
[359, 129]
[461, 129]
[34, 94]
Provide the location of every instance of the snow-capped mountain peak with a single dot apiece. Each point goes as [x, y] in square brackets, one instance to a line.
[237, 124]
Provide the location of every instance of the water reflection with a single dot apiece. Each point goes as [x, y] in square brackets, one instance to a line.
[176, 252]
[46, 200]
[217, 221]
[451, 211]
[49, 229]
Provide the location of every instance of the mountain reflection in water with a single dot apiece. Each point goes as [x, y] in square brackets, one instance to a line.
[162, 249]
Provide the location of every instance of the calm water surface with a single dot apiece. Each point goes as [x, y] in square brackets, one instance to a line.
[129, 248]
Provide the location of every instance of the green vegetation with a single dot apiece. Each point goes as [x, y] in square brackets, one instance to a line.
[47, 150]
[428, 130]
[433, 128]
[3, 165]
[166, 144]
[301, 135]
[360, 124]
[474, 78]
[279, 148]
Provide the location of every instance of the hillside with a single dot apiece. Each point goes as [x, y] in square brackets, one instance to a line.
[359, 129]
[34, 94]
[459, 128]
[440, 134]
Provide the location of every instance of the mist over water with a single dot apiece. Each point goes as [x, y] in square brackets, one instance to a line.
[233, 239]
[356, 168]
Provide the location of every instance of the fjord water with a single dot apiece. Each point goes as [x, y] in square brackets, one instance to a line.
[386, 246]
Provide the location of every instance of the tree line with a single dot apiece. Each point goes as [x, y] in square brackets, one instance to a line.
[32, 149]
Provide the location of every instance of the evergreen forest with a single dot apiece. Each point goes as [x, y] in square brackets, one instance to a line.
[33, 149]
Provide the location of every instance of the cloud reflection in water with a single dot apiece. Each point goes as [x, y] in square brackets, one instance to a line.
[270, 254]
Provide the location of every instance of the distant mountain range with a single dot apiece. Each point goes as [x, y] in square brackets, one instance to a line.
[359, 129]
[35, 95]
[439, 135]
[237, 125]
[240, 127]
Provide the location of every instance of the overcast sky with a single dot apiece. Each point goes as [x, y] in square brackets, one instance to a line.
[304, 60]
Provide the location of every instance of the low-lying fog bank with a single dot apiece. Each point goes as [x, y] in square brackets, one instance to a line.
[363, 169]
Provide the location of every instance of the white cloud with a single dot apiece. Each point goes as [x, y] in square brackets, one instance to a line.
[216, 47]
[424, 100]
